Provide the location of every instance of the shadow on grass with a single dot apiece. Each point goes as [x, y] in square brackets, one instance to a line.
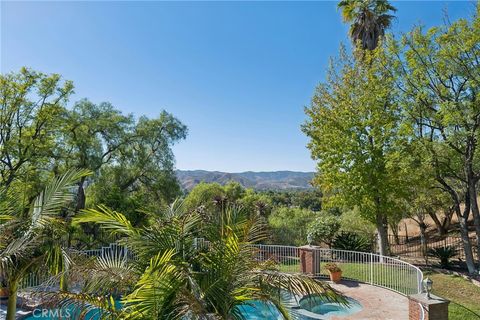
[469, 311]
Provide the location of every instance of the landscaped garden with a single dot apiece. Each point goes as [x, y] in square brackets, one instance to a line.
[97, 223]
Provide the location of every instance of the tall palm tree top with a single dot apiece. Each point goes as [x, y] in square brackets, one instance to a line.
[369, 19]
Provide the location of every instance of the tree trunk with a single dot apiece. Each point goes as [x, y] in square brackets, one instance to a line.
[475, 212]
[406, 233]
[12, 300]
[382, 234]
[467, 246]
[423, 241]
[395, 233]
[80, 195]
[438, 224]
[462, 219]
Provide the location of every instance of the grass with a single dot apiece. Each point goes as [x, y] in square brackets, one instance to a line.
[391, 276]
[464, 296]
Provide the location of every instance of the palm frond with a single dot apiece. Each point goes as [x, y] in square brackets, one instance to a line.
[107, 219]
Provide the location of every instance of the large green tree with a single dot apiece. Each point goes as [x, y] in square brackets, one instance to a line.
[438, 81]
[355, 134]
[31, 104]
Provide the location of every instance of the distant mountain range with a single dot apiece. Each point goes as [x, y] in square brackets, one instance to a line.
[275, 180]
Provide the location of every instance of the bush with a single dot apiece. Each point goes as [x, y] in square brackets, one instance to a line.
[352, 241]
[324, 228]
[289, 225]
[444, 254]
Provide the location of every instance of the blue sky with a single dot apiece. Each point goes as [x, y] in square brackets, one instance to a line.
[238, 74]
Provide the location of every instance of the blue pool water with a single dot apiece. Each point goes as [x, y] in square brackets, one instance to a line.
[328, 309]
[257, 310]
[254, 310]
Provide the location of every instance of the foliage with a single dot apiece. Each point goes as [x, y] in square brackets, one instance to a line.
[332, 267]
[31, 104]
[352, 221]
[356, 137]
[40, 137]
[369, 19]
[289, 225]
[324, 228]
[352, 242]
[311, 200]
[33, 235]
[175, 278]
[437, 86]
[255, 202]
[444, 254]
[205, 196]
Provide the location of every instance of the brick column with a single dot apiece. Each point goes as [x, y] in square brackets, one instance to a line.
[434, 308]
[309, 260]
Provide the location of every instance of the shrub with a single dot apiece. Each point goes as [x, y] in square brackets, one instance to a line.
[324, 228]
[289, 225]
[352, 241]
[444, 254]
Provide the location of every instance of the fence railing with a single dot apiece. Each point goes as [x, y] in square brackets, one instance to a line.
[412, 246]
[370, 268]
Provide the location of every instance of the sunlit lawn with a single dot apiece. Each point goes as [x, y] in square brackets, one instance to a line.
[394, 277]
[464, 295]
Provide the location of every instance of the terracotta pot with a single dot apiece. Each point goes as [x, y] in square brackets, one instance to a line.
[336, 276]
[4, 293]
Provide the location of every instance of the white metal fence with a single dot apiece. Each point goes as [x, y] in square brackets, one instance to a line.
[370, 268]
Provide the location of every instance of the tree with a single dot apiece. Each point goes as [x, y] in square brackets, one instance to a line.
[438, 85]
[289, 225]
[92, 136]
[31, 104]
[368, 18]
[324, 228]
[354, 129]
[26, 243]
[205, 195]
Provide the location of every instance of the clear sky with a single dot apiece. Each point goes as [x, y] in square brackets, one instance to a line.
[238, 74]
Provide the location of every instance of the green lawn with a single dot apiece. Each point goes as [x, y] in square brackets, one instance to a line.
[392, 277]
[464, 295]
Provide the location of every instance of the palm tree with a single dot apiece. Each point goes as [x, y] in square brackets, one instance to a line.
[23, 237]
[185, 268]
[368, 18]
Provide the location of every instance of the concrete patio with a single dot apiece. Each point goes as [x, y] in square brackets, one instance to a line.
[378, 303]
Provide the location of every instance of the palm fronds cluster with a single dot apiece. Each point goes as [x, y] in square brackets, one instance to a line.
[176, 276]
[32, 233]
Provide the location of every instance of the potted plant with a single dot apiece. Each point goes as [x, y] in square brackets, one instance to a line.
[335, 272]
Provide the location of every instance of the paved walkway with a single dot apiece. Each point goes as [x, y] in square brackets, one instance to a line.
[378, 303]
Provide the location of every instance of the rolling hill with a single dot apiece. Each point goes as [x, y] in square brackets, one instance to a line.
[274, 180]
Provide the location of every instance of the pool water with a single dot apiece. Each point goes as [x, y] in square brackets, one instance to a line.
[253, 310]
[258, 310]
[316, 305]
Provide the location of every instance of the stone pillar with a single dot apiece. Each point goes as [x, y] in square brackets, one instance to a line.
[434, 308]
[309, 260]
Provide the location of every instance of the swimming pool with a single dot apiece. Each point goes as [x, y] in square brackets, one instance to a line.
[315, 305]
[308, 308]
